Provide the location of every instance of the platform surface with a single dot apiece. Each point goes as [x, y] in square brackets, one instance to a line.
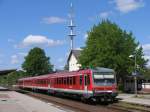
[130, 98]
[11, 101]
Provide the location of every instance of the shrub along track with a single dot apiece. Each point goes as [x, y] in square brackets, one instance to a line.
[82, 107]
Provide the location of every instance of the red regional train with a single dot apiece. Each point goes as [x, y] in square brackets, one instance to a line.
[97, 84]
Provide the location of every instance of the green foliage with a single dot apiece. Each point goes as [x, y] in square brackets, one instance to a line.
[36, 63]
[11, 78]
[14, 76]
[3, 80]
[110, 46]
[120, 87]
[66, 67]
[147, 73]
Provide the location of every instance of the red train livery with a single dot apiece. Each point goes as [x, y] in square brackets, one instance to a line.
[97, 84]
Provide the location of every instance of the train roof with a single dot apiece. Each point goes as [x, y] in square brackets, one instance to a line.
[102, 69]
[61, 74]
[67, 73]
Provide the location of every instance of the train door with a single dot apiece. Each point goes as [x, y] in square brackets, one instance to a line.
[49, 83]
[85, 84]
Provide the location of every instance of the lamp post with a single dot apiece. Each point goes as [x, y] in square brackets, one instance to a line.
[135, 73]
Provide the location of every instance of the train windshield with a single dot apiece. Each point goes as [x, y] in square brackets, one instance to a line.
[103, 78]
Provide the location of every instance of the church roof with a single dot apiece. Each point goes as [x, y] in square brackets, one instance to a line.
[76, 53]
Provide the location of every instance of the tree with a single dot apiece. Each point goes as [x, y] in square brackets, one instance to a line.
[66, 67]
[14, 76]
[11, 78]
[36, 62]
[109, 46]
[147, 74]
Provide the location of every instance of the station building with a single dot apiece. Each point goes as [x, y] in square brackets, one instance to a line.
[72, 61]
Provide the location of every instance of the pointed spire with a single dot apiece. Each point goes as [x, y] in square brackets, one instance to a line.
[71, 26]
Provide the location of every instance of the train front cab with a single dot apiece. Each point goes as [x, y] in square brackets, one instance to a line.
[100, 85]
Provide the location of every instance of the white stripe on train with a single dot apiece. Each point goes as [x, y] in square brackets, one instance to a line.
[67, 90]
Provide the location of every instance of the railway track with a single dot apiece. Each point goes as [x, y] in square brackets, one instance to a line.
[82, 107]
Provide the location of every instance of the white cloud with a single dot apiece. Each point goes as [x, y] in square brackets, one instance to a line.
[53, 20]
[126, 6]
[38, 40]
[147, 57]
[85, 36]
[105, 14]
[22, 54]
[78, 48]
[14, 59]
[60, 60]
[61, 67]
[146, 47]
[18, 57]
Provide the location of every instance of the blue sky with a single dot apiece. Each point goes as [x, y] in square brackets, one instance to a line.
[28, 23]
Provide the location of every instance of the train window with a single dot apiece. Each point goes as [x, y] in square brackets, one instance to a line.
[62, 80]
[67, 80]
[85, 79]
[80, 79]
[57, 81]
[54, 81]
[74, 80]
[88, 79]
[70, 80]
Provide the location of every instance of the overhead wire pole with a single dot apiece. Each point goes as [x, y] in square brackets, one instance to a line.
[71, 26]
[135, 77]
[135, 72]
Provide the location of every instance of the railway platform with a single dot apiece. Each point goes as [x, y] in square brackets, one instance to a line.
[139, 100]
[11, 101]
